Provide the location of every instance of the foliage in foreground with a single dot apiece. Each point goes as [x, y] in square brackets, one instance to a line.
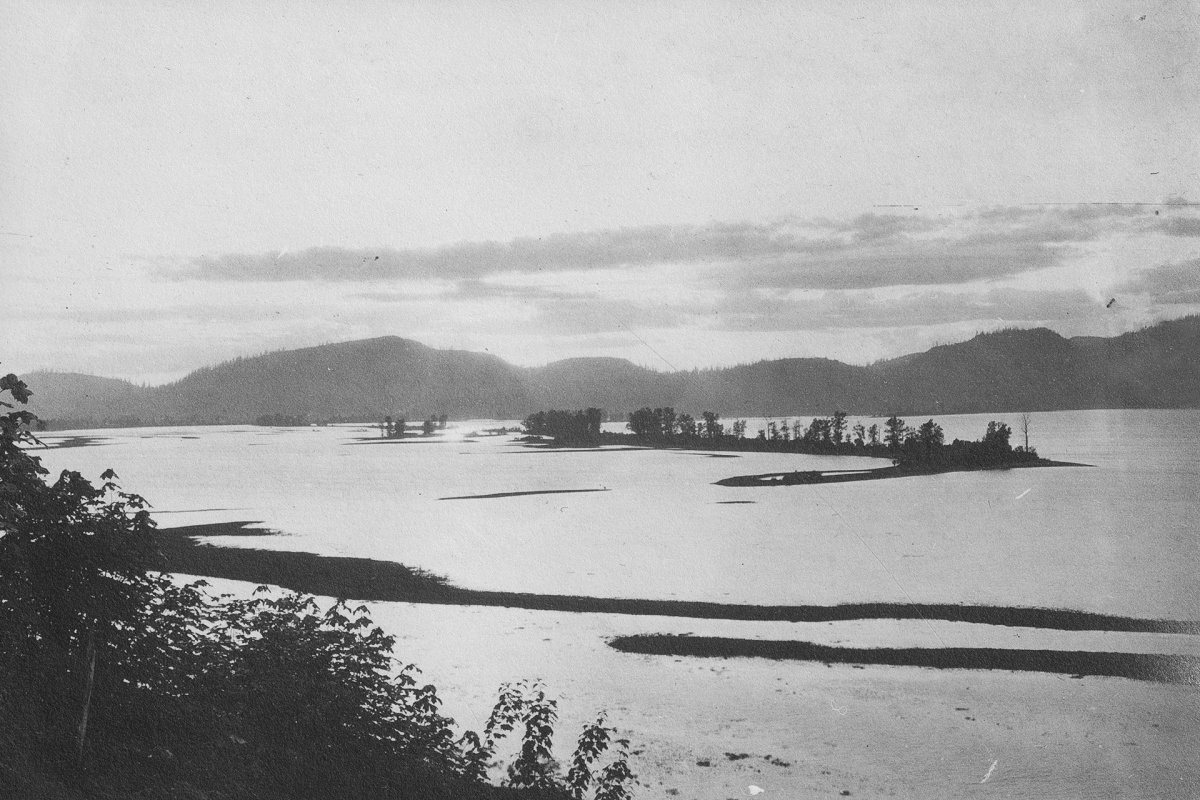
[117, 680]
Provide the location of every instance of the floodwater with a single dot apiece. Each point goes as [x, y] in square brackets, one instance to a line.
[1118, 537]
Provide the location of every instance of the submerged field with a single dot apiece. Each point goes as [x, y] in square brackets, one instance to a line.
[492, 516]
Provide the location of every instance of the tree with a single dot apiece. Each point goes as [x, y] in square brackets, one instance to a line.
[565, 427]
[1025, 420]
[73, 571]
[930, 439]
[712, 426]
[819, 432]
[838, 426]
[687, 426]
[667, 425]
[643, 422]
[894, 437]
[873, 435]
[535, 424]
[594, 417]
[996, 438]
[860, 434]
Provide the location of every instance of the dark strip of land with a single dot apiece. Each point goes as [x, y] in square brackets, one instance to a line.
[74, 441]
[546, 448]
[369, 579]
[410, 440]
[799, 478]
[1160, 668]
[519, 494]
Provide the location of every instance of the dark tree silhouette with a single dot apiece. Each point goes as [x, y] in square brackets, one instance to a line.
[997, 436]
[930, 439]
[642, 423]
[819, 433]
[713, 429]
[837, 426]
[566, 427]
[667, 423]
[687, 426]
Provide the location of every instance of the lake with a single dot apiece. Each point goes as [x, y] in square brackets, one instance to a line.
[1118, 537]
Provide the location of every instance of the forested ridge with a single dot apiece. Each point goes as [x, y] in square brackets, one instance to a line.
[1006, 371]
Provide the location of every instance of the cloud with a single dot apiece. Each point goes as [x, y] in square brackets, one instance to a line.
[1176, 283]
[1181, 226]
[923, 263]
[866, 251]
[560, 252]
[844, 310]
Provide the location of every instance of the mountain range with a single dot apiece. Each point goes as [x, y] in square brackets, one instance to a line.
[1010, 370]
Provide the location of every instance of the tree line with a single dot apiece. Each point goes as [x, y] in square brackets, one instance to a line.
[398, 428]
[922, 446]
[566, 427]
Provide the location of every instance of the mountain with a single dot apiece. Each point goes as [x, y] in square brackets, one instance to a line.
[1010, 370]
[612, 384]
[355, 380]
[72, 396]
[1028, 370]
[1038, 370]
[1156, 367]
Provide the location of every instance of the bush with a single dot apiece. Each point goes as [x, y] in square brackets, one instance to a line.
[119, 680]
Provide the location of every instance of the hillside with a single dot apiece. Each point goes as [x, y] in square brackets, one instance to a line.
[1038, 370]
[1012, 370]
[1030, 370]
[612, 384]
[70, 395]
[353, 380]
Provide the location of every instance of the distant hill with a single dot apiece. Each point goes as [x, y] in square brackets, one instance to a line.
[1011, 370]
[611, 384]
[1038, 370]
[72, 396]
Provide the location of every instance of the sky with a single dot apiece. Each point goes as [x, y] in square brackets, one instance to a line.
[680, 184]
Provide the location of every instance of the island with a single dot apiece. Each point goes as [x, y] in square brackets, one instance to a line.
[920, 450]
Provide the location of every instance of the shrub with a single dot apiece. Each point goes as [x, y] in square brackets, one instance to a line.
[118, 678]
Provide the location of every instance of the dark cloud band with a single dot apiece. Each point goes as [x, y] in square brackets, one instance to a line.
[869, 251]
